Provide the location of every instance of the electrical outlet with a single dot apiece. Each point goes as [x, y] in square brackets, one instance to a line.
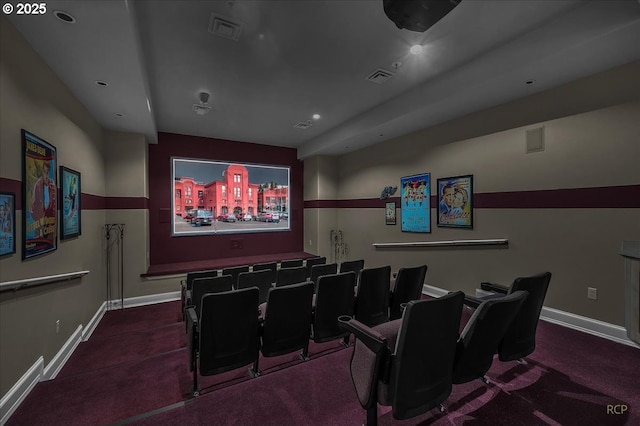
[57, 326]
[592, 293]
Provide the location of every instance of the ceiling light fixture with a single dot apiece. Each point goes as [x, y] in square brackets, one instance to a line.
[202, 108]
[530, 82]
[316, 116]
[118, 114]
[102, 83]
[64, 17]
[416, 49]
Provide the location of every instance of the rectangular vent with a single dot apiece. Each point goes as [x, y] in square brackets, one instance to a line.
[302, 125]
[201, 109]
[380, 76]
[224, 27]
[535, 140]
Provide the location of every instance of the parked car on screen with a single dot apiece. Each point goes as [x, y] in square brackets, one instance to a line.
[229, 218]
[269, 217]
[284, 215]
[188, 216]
[202, 217]
[247, 217]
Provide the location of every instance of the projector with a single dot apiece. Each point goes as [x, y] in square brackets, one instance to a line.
[417, 15]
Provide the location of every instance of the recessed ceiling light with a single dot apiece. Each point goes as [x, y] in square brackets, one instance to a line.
[530, 82]
[416, 49]
[316, 116]
[102, 83]
[64, 16]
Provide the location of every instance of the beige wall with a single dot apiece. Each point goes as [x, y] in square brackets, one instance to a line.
[33, 98]
[579, 246]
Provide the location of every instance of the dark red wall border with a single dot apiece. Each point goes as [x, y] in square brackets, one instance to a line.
[167, 249]
[616, 197]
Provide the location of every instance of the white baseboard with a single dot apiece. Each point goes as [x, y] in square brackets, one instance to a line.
[144, 300]
[93, 323]
[18, 392]
[57, 362]
[566, 319]
[587, 325]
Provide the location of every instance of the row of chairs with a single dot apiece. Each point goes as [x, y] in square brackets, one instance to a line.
[225, 332]
[412, 363]
[265, 275]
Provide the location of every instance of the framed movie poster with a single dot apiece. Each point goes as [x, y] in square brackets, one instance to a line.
[70, 211]
[455, 202]
[39, 195]
[390, 213]
[7, 223]
[415, 201]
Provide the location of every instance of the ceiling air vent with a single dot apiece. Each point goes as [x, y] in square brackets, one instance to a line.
[224, 27]
[201, 109]
[380, 76]
[302, 125]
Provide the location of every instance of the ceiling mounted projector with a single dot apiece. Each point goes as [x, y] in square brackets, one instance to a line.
[417, 15]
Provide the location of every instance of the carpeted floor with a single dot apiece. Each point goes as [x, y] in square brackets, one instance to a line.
[133, 370]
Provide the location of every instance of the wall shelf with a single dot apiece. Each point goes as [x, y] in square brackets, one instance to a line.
[448, 243]
[31, 282]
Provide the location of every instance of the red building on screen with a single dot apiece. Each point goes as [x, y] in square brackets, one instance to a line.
[233, 194]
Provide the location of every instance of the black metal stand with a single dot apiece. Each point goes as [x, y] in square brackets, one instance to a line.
[118, 230]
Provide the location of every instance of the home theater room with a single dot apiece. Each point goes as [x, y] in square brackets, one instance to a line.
[320, 212]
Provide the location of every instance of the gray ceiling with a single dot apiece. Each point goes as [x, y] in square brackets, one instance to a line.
[296, 58]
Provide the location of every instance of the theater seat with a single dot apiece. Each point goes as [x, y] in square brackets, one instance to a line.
[481, 336]
[287, 322]
[406, 287]
[520, 339]
[406, 363]
[225, 336]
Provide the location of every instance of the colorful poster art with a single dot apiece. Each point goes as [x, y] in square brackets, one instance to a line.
[69, 203]
[40, 196]
[415, 201]
[455, 202]
[7, 224]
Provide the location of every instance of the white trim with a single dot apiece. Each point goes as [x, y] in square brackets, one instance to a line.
[566, 319]
[432, 291]
[57, 362]
[587, 325]
[18, 392]
[93, 323]
[131, 302]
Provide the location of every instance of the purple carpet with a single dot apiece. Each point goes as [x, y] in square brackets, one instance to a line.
[134, 370]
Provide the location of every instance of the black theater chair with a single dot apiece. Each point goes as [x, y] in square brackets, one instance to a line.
[482, 334]
[186, 285]
[202, 286]
[271, 266]
[520, 338]
[372, 296]
[234, 272]
[225, 336]
[288, 276]
[406, 287]
[319, 270]
[260, 279]
[334, 298]
[314, 261]
[406, 363]
[287, 322]
[352, 265]
[292, 263]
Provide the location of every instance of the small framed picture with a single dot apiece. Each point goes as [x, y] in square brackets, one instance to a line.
[7, 223]
[455, 202]
[390, 213]
[70, 203]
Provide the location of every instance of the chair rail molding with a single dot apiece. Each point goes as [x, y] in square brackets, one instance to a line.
[446, 243]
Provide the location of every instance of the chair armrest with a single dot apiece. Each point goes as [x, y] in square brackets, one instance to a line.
[187, 298]
[192, 317]
[471, 301]
[494, 287]
[183, 283]
[371, 338]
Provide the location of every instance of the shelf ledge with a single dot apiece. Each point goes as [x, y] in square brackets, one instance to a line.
[448, 243]
[31, 282]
